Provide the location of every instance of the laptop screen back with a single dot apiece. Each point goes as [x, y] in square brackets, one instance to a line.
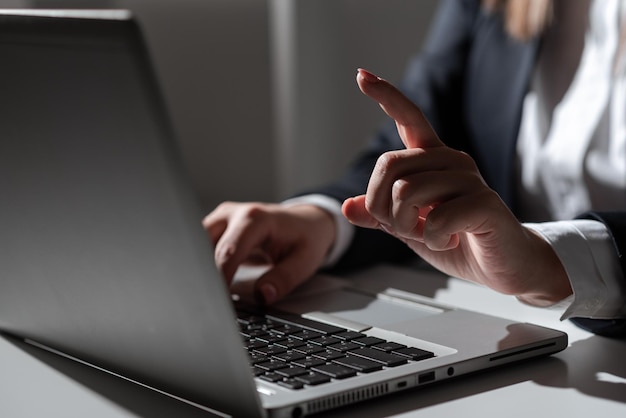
[102, 254]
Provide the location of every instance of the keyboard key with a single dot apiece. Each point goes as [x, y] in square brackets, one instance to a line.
[388, 346]
[290, 343]
[414, 353]
[253, 333]
[367, 341]
[349, 335]
[309, 362]
[297, 320]
[272, 365]
[270, 350]
[325, 340]
[335, 371]
[306, 334]
[313, 378]
[289, 356]
[254, 344]
[309, 349]
[386, 359]
[292, 371]
[285, 329]
[256, 358]
[258, 372]
[246, 318]
[329, 355]
[291, 384]
[270, 338]
[271, 377]
[256, 327]
[344, 346]
[359, 364]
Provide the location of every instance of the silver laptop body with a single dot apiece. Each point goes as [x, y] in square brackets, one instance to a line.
[103, 258]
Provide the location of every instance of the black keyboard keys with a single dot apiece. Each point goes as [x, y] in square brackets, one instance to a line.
[313, 378]
[360, 364]
[336, 371]
[386, 359]
[295, 352]
[413, 353]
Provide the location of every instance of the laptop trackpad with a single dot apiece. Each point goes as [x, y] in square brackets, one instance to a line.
[354, 307]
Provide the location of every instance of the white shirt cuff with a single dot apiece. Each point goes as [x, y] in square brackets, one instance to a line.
[344, 229]
[586, 250]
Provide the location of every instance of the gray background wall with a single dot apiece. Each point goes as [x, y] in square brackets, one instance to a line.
[262, 92]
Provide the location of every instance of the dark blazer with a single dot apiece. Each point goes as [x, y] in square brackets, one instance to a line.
[470, 80]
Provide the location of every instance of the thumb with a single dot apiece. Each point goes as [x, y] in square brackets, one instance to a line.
[413, 127]
[354, 210]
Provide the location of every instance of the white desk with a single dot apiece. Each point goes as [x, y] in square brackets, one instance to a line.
[586, 380]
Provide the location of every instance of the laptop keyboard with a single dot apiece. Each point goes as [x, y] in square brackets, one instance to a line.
[294, 352]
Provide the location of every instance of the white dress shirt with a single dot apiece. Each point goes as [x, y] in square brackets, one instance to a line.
[572, 149]
[571, 153]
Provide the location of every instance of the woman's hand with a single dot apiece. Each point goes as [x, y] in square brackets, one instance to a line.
[434, 199]
[292, 240]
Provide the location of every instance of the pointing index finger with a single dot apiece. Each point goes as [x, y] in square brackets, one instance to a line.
[413, 127]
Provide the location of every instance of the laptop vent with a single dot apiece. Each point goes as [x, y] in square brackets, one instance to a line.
[347, 398]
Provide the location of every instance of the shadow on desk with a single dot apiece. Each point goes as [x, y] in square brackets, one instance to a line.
[132, 397]
[593, 367]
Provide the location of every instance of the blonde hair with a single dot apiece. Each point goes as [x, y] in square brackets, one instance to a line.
[523, 19]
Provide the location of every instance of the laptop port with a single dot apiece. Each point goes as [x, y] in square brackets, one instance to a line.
[426, 377]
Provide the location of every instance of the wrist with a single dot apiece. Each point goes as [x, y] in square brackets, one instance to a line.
[343, 230]
[321, 228]
[550, 283]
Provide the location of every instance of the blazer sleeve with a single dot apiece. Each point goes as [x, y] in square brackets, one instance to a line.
[616, 224]
[433, 80]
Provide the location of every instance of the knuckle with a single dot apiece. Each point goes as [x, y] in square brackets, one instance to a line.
[370, 205]
[253, 211]
[489, 198]
[435, 222]
[225, 206]
[467, 161]
[401, 190]
[376, 208]
[436, 237]
[221, 212]
[207, 221]
[387, 162]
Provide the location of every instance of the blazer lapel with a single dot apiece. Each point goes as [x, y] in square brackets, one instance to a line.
[499, 72]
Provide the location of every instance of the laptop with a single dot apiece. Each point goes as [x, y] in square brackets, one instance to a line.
[103, 258]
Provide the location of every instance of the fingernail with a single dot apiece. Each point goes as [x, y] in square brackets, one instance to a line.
[367, 76]
[269, 292]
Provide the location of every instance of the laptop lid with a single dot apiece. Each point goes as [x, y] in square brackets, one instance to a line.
[102, 255]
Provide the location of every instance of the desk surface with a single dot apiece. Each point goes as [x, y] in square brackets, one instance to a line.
[588, 378]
